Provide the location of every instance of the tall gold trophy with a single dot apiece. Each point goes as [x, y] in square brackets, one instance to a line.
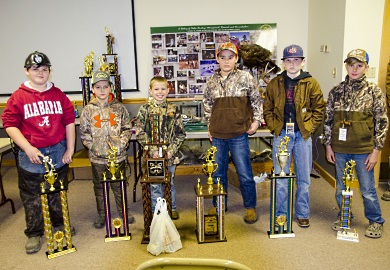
[346, 204]
[210, 227]
[156, 169]
[56, 239]
[121, 226]
[282, 223]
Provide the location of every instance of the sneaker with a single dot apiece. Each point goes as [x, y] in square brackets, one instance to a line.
[336, 226]
[99, 222]
[33, 244]
[386, 195]
[303, 222]
[175, 215]
[374, 230]
[250, 216]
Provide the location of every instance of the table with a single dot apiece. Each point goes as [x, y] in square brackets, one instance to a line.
[137, 150]
[5, 145]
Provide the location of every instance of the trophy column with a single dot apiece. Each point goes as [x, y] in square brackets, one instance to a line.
[211, 227]
[282, 221]
[121, 226]
[346, 204]
[58, 237]
[156, 173]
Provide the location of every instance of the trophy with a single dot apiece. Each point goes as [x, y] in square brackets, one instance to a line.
[210, 227]
[283, 223]
[283, 155]
[346, 203]
[156, 168]
[117, 223]
[210, 167]
[58, 238]
[86, 77]
[109, 41]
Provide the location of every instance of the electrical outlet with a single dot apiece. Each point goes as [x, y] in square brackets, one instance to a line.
[371, 72]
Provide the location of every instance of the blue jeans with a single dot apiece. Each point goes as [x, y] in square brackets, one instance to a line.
[156, 190]
[302, 151]
[55, 152]
[239, 150]
[372, 209]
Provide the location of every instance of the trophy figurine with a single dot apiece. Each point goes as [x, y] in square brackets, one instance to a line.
[346, 204]
[283, 155]
[109, 41]
[283, 223]
[50, 178]
[117, 223]
[210, 227]
[210, 167]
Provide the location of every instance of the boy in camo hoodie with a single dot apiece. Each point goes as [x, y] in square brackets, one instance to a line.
[171, 131]
[105, 121]
[355, 128]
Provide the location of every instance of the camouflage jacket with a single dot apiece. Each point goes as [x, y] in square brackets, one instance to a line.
[238, 86]
[170, 125]
[104, 124]
[361, 106]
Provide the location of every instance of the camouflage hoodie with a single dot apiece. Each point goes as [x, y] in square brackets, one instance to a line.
[100, 124]
[170, 125]
[362, 105]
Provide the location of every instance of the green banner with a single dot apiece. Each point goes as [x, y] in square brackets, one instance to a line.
[212, 28]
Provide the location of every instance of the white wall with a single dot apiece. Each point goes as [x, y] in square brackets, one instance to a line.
[343, 25]
[291, 19]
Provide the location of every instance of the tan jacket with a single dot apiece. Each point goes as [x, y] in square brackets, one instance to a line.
[309, 105]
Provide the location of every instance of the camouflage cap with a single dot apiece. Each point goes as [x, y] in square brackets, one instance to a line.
[227, 46]
[98, 76]
[358, 54]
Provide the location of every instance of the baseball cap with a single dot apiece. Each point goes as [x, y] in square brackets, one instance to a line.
[227, 46]
[98, 76]
[293, 51]
[358, 54]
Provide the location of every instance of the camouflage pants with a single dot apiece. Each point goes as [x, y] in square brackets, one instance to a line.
[29, 189]
[97, 171]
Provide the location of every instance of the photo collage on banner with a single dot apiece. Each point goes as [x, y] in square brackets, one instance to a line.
[186, 55]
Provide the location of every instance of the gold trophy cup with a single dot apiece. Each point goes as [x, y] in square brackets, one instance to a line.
[283, 155]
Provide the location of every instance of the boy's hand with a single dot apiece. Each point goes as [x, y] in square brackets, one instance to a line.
[254, 126]
[210, 137]
[330, 154]
[372, 159]
[33, 154]
[67, 157]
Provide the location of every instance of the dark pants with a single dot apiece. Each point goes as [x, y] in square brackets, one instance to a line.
[98, 170]
[29, 189]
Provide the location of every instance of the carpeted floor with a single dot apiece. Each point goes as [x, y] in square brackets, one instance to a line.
[312, 248]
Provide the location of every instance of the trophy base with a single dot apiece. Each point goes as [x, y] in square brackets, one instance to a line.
[56, 253]
[122, 237]
[145, 239]
[210, 238]
[348, 236]
[285, 234]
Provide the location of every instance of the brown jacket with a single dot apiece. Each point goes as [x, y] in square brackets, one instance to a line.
[309, 105]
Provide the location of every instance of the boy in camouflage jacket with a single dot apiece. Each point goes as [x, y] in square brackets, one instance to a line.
[171, 130]
[105, 122]
[355, 128]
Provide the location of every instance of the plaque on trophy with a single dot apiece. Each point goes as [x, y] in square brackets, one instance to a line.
[281, 226]
[210, 227]
[121, 226]
[349, 176]
[55, 241]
